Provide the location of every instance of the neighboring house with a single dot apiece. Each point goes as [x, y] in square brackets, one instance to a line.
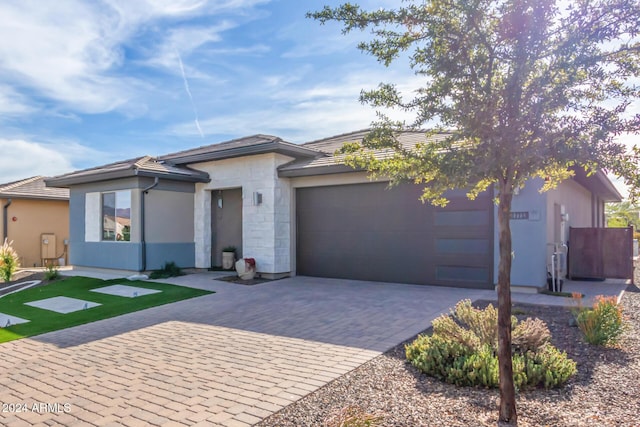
[36, 218]
[297, 210]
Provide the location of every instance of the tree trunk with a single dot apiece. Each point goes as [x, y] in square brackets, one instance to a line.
[507, 414]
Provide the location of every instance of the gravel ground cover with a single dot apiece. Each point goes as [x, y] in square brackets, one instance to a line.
[22, 276]
[605, 391]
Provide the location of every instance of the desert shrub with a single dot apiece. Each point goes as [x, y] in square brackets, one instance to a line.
[548, 367]
[169, 269]
[482, 323]
[9, 261]
[51, 272]
[480, 367]
[353, 416]
[434, 355]
[530, 335]
[604, 323]
[463, 350]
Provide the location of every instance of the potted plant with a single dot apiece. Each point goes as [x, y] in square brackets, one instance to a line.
[228, 257]
[246, 268]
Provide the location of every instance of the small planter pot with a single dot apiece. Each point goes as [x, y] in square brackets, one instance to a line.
[228, 259]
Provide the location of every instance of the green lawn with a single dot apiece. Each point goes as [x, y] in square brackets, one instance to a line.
[41, 321]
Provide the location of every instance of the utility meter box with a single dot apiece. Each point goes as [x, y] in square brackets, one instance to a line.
[48, 246]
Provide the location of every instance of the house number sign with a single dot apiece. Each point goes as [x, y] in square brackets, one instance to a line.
[519, 215]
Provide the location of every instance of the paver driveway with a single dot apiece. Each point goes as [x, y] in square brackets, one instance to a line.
[230, 358]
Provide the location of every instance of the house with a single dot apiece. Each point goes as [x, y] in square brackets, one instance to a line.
[36, 218]
[297, 210]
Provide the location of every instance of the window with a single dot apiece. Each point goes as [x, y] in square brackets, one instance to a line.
[116, 216]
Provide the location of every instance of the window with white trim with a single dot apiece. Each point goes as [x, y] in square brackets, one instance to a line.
[116, 216]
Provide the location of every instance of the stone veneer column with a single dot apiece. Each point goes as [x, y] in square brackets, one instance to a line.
[202, 226]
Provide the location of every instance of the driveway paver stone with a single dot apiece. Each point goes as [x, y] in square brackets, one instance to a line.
[229, 358]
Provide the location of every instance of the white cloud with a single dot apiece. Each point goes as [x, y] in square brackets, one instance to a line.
[72, 51]
[304, 122]
[184, 41]
[13, 103]
[63, 51]
[22, 159]
[300, 112]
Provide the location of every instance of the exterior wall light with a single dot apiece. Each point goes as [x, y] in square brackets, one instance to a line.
[257, 198]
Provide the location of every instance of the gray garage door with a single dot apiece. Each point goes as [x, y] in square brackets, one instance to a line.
[369, 232]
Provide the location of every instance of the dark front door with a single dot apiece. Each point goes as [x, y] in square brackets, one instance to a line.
[226, 223]
[369, 232]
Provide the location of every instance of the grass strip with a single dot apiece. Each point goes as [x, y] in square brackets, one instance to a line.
[41, 321]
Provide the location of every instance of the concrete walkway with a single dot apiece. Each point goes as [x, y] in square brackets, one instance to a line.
[230, 358]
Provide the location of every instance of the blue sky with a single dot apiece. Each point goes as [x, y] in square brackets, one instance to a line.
[83, 83]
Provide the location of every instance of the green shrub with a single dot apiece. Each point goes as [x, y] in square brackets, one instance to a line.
[604, 323]
[51, 272]
[548, 367]
[169, 269]
[9, 261]
[463, 351]
[477, 368]
[434, 355]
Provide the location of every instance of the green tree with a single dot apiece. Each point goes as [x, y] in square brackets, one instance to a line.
[623, 214]
[527, 88]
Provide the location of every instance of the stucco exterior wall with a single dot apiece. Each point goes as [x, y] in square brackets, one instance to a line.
[266, 227]
[169, 217]
[578, 204]
[169, 226]
[532, 238]
[528, 237]
[33, 217]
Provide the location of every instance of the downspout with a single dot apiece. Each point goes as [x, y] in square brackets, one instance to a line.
[143, 243]
[593, 211]
[5, 220]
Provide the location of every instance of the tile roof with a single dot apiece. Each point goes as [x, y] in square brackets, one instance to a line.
[254, 144]
[226, 145]
[32, 188]
[139, 166]
[175, 165]
[598, 183]
[331, 163]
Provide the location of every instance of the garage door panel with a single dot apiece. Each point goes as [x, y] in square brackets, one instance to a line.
[463, 245]
[462, 218]
[462, 273]
[453, 260]
[368, 232]
[461, 233]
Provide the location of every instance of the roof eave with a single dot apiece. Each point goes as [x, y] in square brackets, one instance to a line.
[610, 193]
[318, 170]
[29, 197]
[598, 184]
[66, 182]
[262, 148]
[173, 176]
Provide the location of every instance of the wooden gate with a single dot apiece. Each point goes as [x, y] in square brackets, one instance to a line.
[601, 253]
